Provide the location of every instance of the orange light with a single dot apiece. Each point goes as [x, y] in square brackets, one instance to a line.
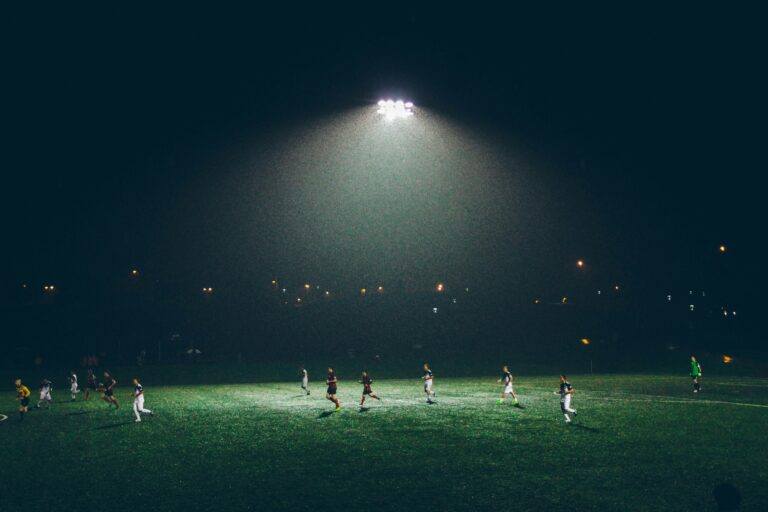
[585, 341]
[580, 263]
[727, 359]
[306, 286]
[440, 287]
[723, 248]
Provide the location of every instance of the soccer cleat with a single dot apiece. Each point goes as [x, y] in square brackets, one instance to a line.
[137, 420]
[337, 409]
[499, 402]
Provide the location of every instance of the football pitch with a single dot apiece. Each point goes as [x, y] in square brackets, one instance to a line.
[639, 442]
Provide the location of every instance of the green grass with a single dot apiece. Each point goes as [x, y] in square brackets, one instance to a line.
[639, 443]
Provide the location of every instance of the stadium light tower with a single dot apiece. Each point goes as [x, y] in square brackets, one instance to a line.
[392, 110]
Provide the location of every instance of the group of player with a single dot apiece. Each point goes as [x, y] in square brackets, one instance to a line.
[106, 388]
[428, 377]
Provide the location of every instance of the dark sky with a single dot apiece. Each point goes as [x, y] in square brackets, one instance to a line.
[626, 136]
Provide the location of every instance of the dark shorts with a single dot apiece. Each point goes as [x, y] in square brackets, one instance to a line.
[108, 392]
[92, 386]
[24, 402]
[367, 391]
[331, 391]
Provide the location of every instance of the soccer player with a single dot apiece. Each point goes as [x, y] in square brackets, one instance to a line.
[45, 394]
[22, 395]
[566, 394]
[695, 374]
[366, 381]
[109, 390]
[304, 379]
[73, 384]
[138, 401]
[427, 378]
[332, 383]
[91, 384]
[506, 378]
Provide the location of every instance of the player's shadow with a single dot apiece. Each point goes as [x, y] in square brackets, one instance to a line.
[325, 414]
[79, 413]
[364, 409]
[113, 425]
[579, 426]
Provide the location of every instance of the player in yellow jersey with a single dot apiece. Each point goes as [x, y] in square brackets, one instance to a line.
[22, 395]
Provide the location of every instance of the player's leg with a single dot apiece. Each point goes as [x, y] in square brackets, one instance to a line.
[362, 400]
[374, 395]
[136, 410]
[115, 401]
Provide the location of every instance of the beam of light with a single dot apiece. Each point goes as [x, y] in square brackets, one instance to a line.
[395, 109]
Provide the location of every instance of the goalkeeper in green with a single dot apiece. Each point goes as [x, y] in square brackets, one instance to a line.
[695, 374]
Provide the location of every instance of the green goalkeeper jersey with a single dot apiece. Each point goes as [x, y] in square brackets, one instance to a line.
[695, 369]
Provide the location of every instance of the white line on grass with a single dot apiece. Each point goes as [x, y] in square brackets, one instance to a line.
[667, 400]
[3, 417]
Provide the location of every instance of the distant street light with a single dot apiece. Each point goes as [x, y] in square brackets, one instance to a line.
[580, 263]
[723, 248]
[395, 109]
[440, 287]
[134, 272]
[49, 288]
[207, 290]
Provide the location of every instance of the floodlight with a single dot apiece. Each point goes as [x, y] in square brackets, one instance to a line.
[391, 109]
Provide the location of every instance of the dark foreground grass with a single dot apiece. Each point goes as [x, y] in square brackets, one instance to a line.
[639, 443]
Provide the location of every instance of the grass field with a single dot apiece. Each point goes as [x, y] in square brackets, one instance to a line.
[638, 443]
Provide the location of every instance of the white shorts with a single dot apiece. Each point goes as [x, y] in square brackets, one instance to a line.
[73, 388]
[304, 383]
[138, 402]
[509, 389]
[428, 385]
[45, 395]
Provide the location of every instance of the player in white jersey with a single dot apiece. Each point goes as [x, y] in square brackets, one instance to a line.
[73, 385]
[304, 380]
[566, 394]
[428, 377]
[45, 394]
[506, 379]
[138, 401]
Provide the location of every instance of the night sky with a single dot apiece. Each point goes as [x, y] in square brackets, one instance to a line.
[237, 146]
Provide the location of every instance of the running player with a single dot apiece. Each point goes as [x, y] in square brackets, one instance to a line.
[366, 381]
[427, 378]
[304, 379]
[91, 384]
[138, 401]
[109, 390]
[695, 374]
[22, 395]
[45, 394]
[73, 384]
[506, 379]
[566, 394]
[332, 383]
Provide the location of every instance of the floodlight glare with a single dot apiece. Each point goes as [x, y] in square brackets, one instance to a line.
[395, 109]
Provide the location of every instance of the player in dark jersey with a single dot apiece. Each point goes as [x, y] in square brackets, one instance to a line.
[428, 377]
[91, 384]
[566, 394]
[366, 381]
[332, 383]
[109, 390]
[22, 395]
[506, 379]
